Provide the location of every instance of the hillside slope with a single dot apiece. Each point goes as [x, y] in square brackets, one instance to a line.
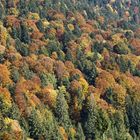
[69, 70]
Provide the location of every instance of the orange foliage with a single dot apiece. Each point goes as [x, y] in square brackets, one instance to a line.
[99, 38]
[12, 21]
[80, 19]
[103, 104]
[24, 94]
[21, 102]
[44, 64]
[75, 86]
[72, 45]
[36, 35]
[4, 93]
[48, 96]
[59, 16]
[104, 81]
[76, 72]
[63, 133]
[69, 65]
[101, 19]
[135, 43]
[87, 28]
[4, 75]
[34, 47]
[54, 56]
[31, 24]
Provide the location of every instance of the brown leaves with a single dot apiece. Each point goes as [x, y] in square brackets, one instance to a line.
[60, 69]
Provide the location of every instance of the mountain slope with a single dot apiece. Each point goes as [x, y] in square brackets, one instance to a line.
[69, 70]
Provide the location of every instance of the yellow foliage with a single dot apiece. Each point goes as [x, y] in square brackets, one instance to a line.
[85, 41]
[3, 35]
[4, 75]
[70, 27]
[6, 97]
[52, 32]
[14, 130]
[110, 8]
[13, 11]
[34, 16]
[48, 96]
[84, 85]
[135, 93]
[126, 81]
[45, 23]
[117, 38]
[63, 133]
[72, 132]
[7, 120]
[120, 94]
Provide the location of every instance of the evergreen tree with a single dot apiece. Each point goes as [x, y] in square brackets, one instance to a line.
[40, 26]
[89, 69]
[33, 6]
[2, 11]
[25, 35]
[80, 134]
[42, 125]
[133, 113]
[90, 123]
[118, 126]
[61, 112]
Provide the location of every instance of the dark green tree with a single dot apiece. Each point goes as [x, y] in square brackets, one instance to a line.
[40, 26]
[33, 6]
[133, 113]
[25, 34]
[23, 8]
[22, 48]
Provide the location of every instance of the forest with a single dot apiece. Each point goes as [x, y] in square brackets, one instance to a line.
[69, 69]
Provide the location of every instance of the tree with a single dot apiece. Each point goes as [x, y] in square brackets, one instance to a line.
[33, 6]
[23, 8]
[96, 123]
[89, 69]
[80, 134]
[133, 113]
[4, 76]
[42, 125]
[121, 48]
[61, 112]
[118, 126]
[123, 64]
[40, 26]
[25, 35]
[48, 79]
[5, 102]
[15, 74]
[2, 11]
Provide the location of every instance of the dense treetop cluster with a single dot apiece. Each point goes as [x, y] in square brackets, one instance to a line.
[69, 69]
